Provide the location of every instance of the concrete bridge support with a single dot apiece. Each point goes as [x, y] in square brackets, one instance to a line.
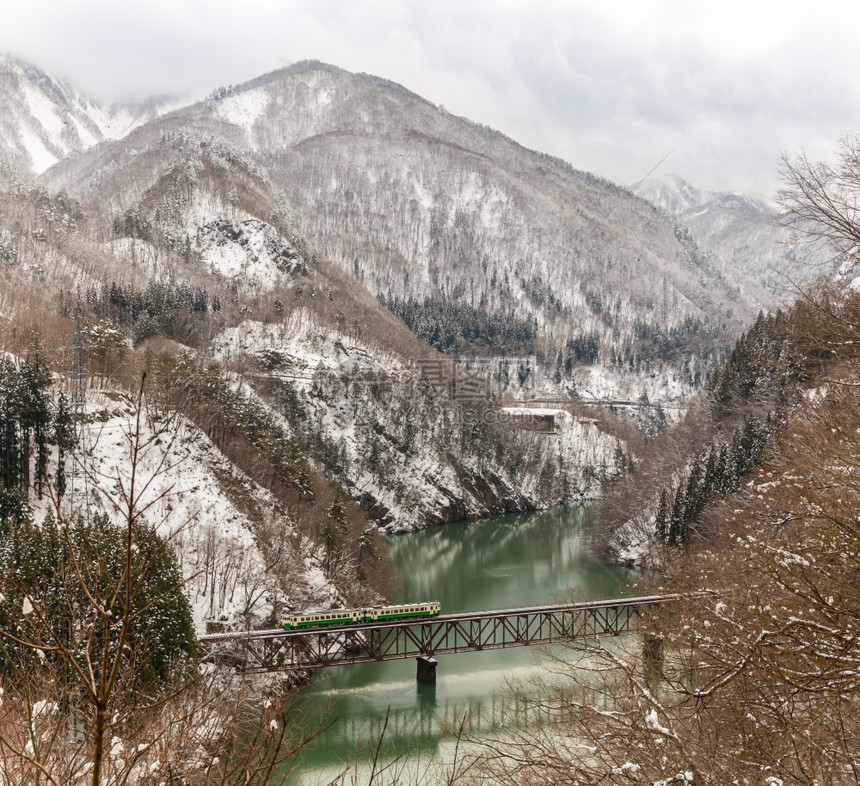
[426, 669]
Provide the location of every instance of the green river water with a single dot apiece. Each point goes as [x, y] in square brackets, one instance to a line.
[500, 562]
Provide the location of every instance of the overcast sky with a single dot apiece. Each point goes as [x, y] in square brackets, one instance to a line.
[613, 87]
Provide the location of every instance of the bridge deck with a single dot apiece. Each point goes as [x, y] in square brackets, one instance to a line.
[473, 631]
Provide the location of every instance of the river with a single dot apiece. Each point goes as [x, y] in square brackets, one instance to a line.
[500, 562]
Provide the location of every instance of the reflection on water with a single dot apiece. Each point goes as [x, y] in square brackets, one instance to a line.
[501, 562]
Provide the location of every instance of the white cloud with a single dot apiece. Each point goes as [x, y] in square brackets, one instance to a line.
[611, 87]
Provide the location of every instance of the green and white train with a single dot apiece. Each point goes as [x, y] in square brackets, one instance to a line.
[353, 616]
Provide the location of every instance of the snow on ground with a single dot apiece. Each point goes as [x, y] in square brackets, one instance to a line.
[118, 122]
[40, 156]
[305, 346]
[42, 109]
[200, 502]
[243, 109]
[142, 256]
[662, 384]
[422, 194]
[84, 134]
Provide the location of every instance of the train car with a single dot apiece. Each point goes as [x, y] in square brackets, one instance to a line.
[430, 609]
[314, 618]
[353, 616]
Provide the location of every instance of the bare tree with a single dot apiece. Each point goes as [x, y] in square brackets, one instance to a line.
[89, 693]
[757, 678]
[821, 200]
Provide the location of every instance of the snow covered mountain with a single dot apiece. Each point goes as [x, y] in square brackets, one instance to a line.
[348, 294]
[183, 264]
[740, 231]
[44, 120]
[470, 238]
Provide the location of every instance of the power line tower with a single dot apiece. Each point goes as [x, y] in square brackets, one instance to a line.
[79, 485]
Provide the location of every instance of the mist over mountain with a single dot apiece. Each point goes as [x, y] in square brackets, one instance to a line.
[354, 297]
[44, 120]
[740, 231]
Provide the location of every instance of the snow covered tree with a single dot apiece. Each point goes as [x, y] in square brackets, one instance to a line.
[95, 609]
[24, 419]
[661, 518]
[67, 579]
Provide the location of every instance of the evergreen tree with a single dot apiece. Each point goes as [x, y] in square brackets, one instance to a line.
[72, 577]
[333, 532]
[65, 438]
[24, 417]
[696, 495]
[726, 478]
[678, 521]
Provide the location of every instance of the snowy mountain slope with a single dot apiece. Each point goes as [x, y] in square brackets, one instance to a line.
[419, 204]
[41, 119]
[181, 222]
[434, 212]
[221, 523]
[404, 450]
[740, 231]
[137, 299]
[199, 245]
[44, 120]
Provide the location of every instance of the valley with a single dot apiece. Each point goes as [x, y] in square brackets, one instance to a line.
[265, 351]
[226, 244]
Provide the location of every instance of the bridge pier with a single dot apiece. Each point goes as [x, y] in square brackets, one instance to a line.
[426, 669]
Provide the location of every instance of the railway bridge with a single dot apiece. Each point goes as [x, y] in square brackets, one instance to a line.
[425, 638]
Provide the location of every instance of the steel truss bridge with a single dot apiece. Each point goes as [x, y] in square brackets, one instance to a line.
[426, 637]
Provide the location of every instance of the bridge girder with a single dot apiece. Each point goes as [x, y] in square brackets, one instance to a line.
[281, 650]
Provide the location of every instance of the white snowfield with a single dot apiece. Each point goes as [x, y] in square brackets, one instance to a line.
[243, 109]
[199, 501]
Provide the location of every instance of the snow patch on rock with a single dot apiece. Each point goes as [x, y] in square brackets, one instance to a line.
[249, 251]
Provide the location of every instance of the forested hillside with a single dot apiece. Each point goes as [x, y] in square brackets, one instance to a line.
[778, 365]
[749, 509]
[750, 512]
[250, 334]
[297, 389]
[459, 230]
[343, 289]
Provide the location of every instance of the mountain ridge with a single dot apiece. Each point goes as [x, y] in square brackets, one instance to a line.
[381, 180]
[349, 291]
[739, 230]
